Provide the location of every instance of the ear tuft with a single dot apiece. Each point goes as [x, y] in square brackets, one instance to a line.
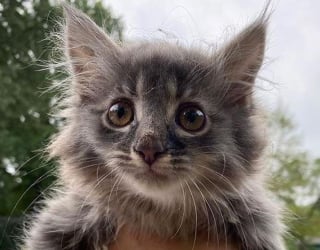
[84, 40]
[242, 58]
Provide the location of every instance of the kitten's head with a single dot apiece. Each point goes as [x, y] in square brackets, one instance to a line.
[157, 116]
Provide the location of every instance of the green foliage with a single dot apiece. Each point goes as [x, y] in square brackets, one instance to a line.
[25, 126]
[296, 181]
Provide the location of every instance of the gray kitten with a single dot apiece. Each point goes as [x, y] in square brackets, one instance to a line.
[160, 138]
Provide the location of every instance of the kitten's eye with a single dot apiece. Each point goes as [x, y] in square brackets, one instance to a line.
[191, 118]
[120, 114]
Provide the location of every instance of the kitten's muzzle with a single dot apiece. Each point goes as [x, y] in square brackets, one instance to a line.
[149, 149]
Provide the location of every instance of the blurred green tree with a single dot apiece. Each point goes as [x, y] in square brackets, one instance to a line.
[295, 180]
[25, 125]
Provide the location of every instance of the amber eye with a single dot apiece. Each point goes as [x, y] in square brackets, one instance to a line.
[120, 114]
[191, 118]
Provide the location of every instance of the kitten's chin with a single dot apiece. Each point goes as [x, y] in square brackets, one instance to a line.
[154, 184]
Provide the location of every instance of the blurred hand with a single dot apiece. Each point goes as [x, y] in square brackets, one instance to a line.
[127, 241]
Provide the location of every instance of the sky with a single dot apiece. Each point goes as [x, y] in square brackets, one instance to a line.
[292, 55]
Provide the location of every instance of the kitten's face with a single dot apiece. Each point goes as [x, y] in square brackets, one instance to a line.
[157, 115]
[156, 122]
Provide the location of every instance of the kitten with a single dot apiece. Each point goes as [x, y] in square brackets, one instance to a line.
[162, 139]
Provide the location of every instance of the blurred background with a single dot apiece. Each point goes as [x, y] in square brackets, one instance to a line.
[288, 88]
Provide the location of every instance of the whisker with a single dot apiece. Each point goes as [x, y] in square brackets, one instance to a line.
[27, 161]
[219, 210]
[196, 216]
[205, 202]
[41, 178]
[110, 194]
[102, 178]
[239, 195]
[183, 213]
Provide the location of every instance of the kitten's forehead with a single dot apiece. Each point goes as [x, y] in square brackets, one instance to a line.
[166, 72]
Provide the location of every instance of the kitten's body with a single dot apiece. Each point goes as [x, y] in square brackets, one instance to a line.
[196, 182]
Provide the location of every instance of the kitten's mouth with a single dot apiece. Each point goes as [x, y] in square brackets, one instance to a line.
[156, 172]
[153, 170]
[162, 171]
[154, 177]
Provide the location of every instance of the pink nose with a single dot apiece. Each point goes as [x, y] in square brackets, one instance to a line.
[148, 155]
[149, 149]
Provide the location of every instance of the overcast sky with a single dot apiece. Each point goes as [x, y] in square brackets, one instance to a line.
[293, 50]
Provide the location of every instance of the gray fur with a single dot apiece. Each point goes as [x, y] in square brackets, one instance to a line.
[212, 180]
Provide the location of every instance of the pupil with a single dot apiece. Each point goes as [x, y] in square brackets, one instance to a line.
[191, 116]
[121, 112]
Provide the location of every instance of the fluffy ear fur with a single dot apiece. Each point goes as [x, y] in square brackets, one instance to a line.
[87, 46]
[243, 57]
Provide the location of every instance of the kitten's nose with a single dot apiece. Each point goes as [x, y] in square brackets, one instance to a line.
[149, 148]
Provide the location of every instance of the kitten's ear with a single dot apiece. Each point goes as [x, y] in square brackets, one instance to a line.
[85, 42]
[242, 58]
